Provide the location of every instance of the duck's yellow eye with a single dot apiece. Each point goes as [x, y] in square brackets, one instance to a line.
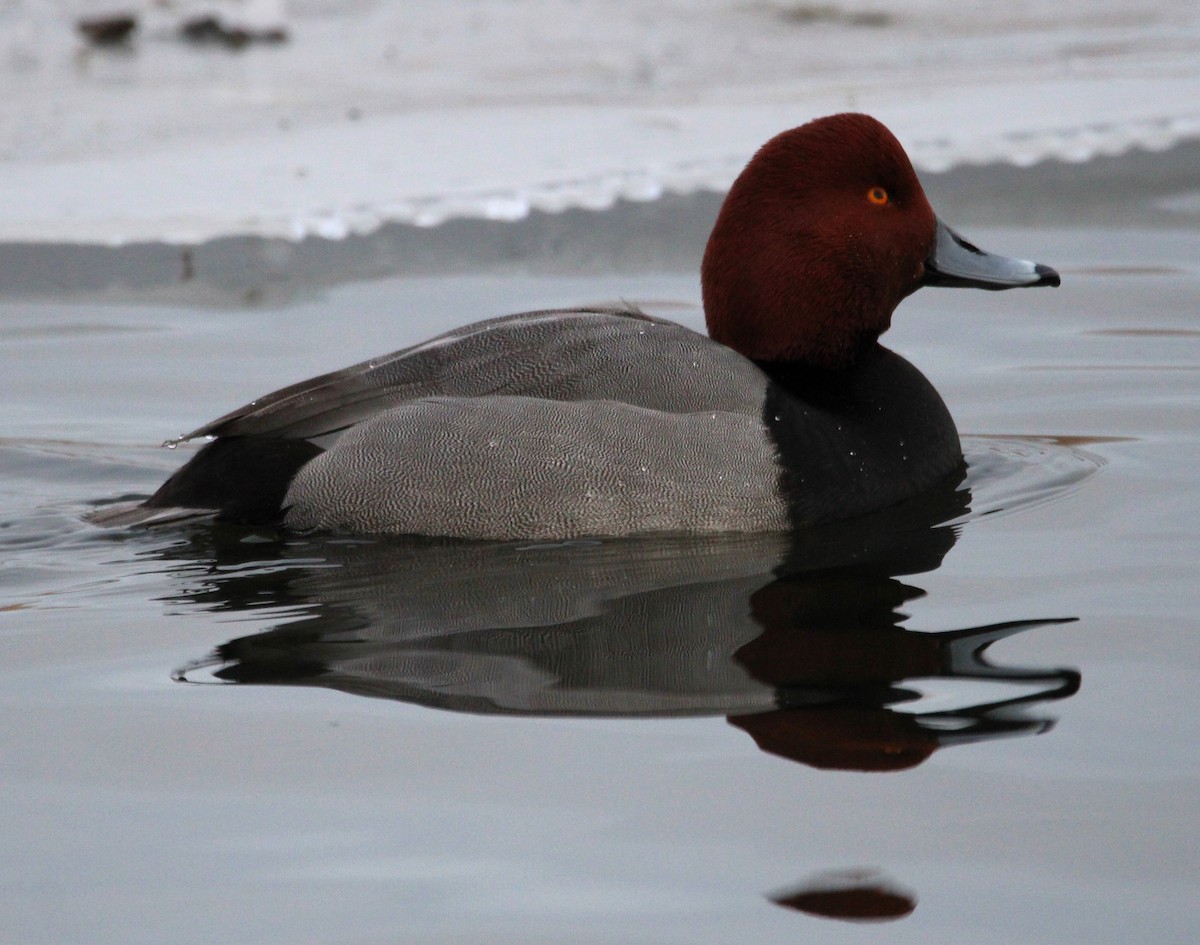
[877, 196]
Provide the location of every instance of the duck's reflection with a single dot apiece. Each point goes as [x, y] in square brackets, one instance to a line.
[796, 639]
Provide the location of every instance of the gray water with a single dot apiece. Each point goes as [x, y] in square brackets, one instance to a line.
[979, 731]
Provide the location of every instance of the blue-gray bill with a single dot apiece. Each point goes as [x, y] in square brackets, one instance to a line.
[956, 262]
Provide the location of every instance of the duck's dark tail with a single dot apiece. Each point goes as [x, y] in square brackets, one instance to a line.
[233, 478]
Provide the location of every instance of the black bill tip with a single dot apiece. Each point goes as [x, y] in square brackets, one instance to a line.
[1046, 276]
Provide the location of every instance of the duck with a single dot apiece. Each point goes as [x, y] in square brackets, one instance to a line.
[606, 421]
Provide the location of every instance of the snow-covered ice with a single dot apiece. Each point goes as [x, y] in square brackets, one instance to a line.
[419, 112]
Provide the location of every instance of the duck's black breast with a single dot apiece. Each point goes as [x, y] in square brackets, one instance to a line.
[852, 441]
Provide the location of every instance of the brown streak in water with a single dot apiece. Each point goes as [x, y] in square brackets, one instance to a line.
[1056, 439]
[1112, 367]
[1126, 271]
[1147, 332]
[852, 896]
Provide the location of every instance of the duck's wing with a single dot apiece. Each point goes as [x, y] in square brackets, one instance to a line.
[564, 355]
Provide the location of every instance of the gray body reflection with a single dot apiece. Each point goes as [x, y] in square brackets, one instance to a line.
[797, 638]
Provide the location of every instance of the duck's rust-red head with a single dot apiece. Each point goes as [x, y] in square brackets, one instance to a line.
[820, 238]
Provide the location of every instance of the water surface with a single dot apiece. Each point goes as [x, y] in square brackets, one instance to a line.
[973, 718]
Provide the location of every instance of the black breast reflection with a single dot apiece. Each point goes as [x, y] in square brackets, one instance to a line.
[796, 639]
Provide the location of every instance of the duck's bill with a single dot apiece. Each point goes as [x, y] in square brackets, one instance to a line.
[955, 262]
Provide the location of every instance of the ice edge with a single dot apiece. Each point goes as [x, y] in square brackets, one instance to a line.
[600, 192]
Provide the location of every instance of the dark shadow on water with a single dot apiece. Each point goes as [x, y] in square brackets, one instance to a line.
[799, 640]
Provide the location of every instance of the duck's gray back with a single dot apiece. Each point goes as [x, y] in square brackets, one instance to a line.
[565, 355]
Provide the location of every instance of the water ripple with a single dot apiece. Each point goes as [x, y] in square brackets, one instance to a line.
[1012, 473]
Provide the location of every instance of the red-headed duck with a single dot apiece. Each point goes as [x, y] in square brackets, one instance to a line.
[606, 421]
